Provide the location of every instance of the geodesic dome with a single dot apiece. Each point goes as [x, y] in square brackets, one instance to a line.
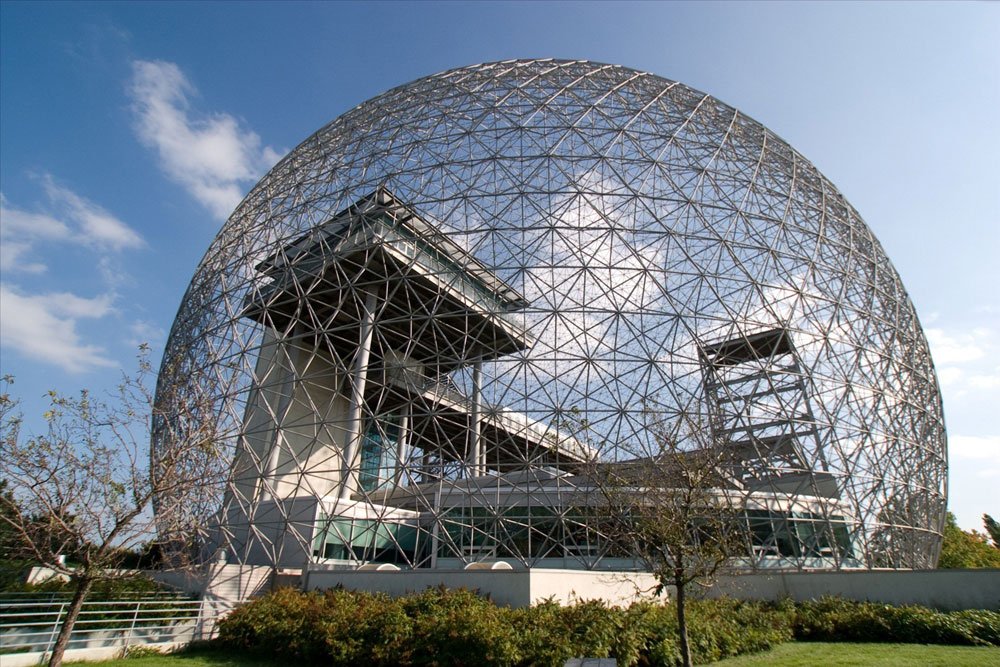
[417, 330]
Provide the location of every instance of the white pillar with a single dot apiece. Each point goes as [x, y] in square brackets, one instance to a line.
[402, 446]
[290, 380]
[477, 455]
[356, 420]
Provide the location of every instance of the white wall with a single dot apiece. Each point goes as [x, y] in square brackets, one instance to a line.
[940, 589]
[515, 588]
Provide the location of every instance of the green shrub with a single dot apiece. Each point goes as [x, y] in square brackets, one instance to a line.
[103, 589]
[284, 623]
[642, 625]
[835, 619]
[980, 623]
[458, 627]
[364, 629]
[543, 638]
[592, 627]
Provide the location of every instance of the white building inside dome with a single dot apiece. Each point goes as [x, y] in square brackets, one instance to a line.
[362, 440]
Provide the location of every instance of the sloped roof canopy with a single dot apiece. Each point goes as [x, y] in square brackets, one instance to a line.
[435, 303]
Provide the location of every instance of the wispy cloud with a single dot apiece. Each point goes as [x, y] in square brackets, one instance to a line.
[95, 226]
[210, 154]
[19, 230]
[44, 327]
[985, 447]
[966, 359]
[65, 217]
[983, 451]
[949, 347]
[144, 332]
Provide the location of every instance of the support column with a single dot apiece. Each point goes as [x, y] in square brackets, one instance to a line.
[402, 446]
[290, 380]
[477, 463]
[356, 420]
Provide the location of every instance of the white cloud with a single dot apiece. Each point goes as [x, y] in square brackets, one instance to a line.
[211, 155]
[95, 226]
[19, 230]
[950, 348]
[986, 380]
[39, 225]
[43, 327]
[985, 447]
[71, 219]
[949, 375]
[959, 357]
[11, 253]
[143, 332]
[973, 472]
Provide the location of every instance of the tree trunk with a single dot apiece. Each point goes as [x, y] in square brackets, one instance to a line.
[82, 588]
[682, 628]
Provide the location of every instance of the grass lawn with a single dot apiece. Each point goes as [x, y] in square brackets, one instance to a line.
[194, 658]
[793, 654]
[810, 654]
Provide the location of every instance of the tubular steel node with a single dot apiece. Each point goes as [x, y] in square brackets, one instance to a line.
[420, 328]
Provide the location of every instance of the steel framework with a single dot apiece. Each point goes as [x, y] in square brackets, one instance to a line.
[429, 317]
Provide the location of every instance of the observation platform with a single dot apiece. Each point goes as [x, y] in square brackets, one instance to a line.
[434, 301]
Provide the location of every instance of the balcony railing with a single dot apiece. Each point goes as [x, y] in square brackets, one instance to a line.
[30, 623]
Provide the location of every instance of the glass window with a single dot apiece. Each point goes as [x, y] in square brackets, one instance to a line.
[378, 453]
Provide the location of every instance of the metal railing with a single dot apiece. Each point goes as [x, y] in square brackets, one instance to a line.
[65, 596]
[32, 625]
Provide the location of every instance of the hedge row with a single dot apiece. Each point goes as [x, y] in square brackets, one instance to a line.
[440, 627]
[836, 619]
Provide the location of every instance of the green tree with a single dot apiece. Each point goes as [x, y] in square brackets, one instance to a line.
[993, 528]
[675, 508]
[78, 495]
[965, 549]
[11, 566]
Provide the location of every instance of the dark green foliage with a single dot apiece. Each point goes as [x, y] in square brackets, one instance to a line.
[286, 622]
[458, 628]
[148, 556]
[364, 628]
[961, 549]
[351, 628]
[550, 634]
[835, 619]
[13, 565]
[105, 589]
[440, 627]
[993, 528]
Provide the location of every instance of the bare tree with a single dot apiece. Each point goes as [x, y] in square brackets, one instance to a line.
[82, 491]
[676, 507]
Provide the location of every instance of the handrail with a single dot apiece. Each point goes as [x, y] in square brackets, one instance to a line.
[28, 626]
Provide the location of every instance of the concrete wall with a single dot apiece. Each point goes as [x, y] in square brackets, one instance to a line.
[227, 585]
[222, 587]
[939, 589]
[515, 588]
[39, 575]
[191, 581]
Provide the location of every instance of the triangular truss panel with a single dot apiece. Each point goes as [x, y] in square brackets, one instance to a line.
[420, 331]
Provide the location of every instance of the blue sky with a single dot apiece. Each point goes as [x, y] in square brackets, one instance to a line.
[128, 131]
